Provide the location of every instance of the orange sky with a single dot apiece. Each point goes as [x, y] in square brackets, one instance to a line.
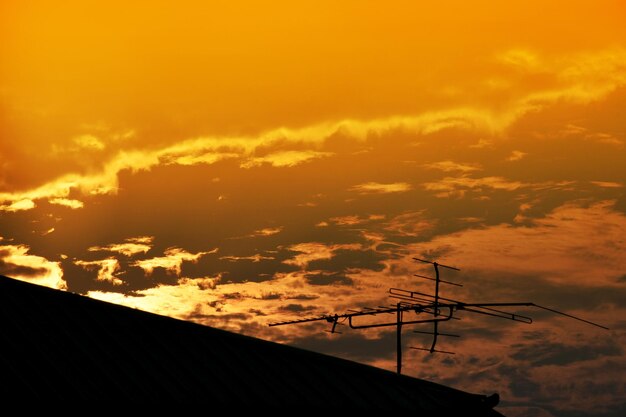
[236, 164]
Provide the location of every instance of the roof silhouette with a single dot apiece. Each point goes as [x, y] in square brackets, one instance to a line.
[61, 346]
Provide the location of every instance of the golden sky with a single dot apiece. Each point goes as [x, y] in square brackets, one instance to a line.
[237, 163]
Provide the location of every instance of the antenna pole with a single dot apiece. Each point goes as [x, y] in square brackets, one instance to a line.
[399, 339]
[436, 265]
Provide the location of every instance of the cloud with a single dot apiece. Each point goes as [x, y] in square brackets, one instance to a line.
[580, 79]
[585, 133]
[313, 251]
[47, 232]
[89, 142]
[410, 224]
[106, 269]
[558, 353]
[171, 262]
[268, 231]
[449, 166]
[353, 220]
[73, 204]
[18, 205]
[285, 158]
[520, 58]
[457, 186]
[130, 247]
[572, 245]
[16, 262]
[516, 156]
[380, 188]
[254, 258]
[607, 184]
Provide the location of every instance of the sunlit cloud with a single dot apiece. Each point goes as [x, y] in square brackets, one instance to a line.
[516, 156]
[18, 205]
[130, 247]
[107, 269]
[313, 251]
[89, 142]
[607, 184]
[268, 231]
[520, 58]
[67, 202]
[410, 224]
[571, 245]
[254, 258]
[354, 220]
[451, 166]
[582, 78]
[457, 186]
[482, 144]
[16, 262]
[381, 188]
[171, 262]
[285, 158]
[47, 232]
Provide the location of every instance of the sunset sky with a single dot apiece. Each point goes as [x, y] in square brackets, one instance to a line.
[240, 163]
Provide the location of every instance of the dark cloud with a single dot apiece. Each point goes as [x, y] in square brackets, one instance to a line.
[12, 270]
[296, 308]
[257, 312]
[328, 278]
[302, 297]
[350, 259]
[520, 382]
[350, 345]
[546, 353]
[270, 296]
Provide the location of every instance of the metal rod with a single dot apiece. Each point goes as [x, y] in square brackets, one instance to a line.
[432, 351]
[440, 334]
[399, 339]
[570, 316]
[429, 262]
[433, 279]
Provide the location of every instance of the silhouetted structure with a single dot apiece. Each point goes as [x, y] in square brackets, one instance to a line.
[436, 308]
[63, 347]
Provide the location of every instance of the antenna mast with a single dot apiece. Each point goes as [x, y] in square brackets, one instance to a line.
[437, 308]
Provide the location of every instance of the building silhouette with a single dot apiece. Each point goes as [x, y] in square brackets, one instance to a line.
[65, 348]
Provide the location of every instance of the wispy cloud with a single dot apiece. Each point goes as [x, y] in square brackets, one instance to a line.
[67, 202]
[171, 262]
[607, 184]
[381, 188]
[89, 142]
[268, 231]
[129, 247]
[18, 205]
[313, 251]
[354, 219]
[285, 158]
[107, 269]
[16, 262]
[457, 186]
[254, 258]
[451, 166]
[582, 78]
[573, 245]
[410, 224]
[516, 156]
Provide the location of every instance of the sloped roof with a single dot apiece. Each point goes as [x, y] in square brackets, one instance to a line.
[60, 346]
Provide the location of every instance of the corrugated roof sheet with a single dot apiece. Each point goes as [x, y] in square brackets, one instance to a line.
[63, 346]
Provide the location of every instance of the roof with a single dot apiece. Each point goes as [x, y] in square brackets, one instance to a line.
[60, 346]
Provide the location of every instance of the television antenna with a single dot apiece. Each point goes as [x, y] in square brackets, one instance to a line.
[437, 309]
